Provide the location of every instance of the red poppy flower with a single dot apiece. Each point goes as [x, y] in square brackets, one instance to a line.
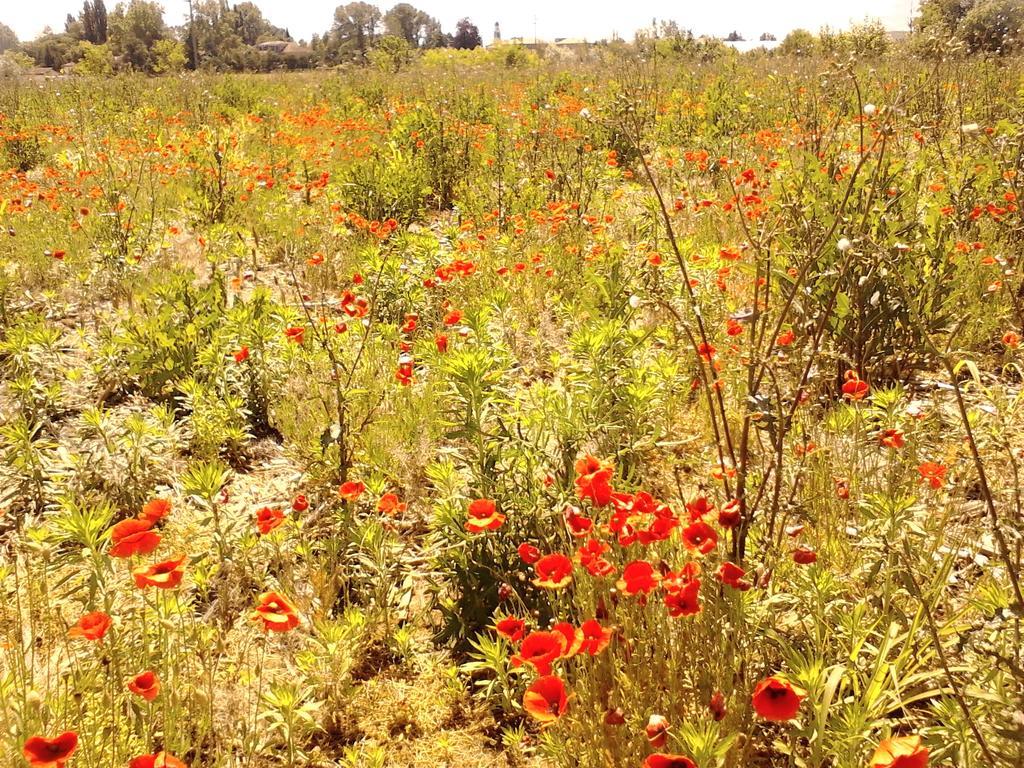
[698, 508]
[804, 555]
[351, 490]
[595, 637]
[390, 505]
[1011, 340]
[546, 699]
[92, 626]
[891, 438]
[785, 338]
[276, 613]
[300, 503]
[579, 525]
[165, 575]
[42, 752]
[155, 510]
[933, 473]
[146, 685]
[157, 760]
[296, 334]
[842, 488]
[663, 760]
[854, 388]
[591, 557]
[717, 706]
[700, 537]
[132, 537]
[484, 516]
[900, 752]
[573, 639]
[540, 649]
[732, 575]
[441, 342]
[684, 600]
[639, 577]
[553, 571]
[268, 519]
[729, 515]
[593, 480]
[528, 553]
[777, 699]
[657, 730]
[511, 627]
[242, 355]
[453, 318]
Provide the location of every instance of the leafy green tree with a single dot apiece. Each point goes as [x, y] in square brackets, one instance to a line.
[355, 29]
[994, 26]
[8, 39]
[411, 24]
[52, 50]
[95, 59]
[134, 31]
[93, 19]
[252, 27]
[799, 42]
[466, 35]
[942, 16]
[392, 53]
[168, 57]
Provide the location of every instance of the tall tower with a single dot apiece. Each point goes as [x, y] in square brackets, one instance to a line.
[497, 32]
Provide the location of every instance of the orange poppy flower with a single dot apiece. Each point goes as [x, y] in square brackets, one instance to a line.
[553, 571]
[1011, 340]
[296, 334]
[351, 490]
[700, 537]
[546, 699]
[242, 355]
[390, 505]
[155, 510]
[132, 537]
[900, 752]
[157, 760]
[92, 626]
[165, 575]
[933, 473]
[146, 685]
[777, 699]
[663, 760]
[268, 519]
[276, 613]
[484, 516]
[42, 752]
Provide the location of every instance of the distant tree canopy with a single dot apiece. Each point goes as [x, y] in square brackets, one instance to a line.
[466, 35]
[134, 31]
[983, 26]
[226, 35]
[8, 39]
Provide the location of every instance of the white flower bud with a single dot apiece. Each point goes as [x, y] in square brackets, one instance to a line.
[844, 244]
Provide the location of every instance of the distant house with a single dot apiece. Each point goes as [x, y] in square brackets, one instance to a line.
[283, 47]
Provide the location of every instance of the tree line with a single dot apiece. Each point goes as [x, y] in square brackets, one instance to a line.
[222, 36]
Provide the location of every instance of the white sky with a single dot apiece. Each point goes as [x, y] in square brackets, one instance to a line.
[568, 18]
